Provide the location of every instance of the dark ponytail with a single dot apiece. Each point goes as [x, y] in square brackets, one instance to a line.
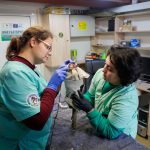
[18, 43]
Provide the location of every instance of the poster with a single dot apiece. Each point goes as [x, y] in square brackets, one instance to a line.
[11, 26]
[9, 30]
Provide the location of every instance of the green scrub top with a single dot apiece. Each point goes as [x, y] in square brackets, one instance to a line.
[20, 91]
[119, 104]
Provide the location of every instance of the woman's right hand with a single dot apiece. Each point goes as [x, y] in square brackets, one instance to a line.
[58, 77]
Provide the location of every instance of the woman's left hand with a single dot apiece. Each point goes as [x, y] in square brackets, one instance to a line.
[81, 103]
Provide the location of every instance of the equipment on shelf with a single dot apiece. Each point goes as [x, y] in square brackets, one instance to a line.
[143, 114]
[111, 24]
[143, 120]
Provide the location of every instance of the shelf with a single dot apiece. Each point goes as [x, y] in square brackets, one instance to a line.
[142, 122]
[133, 31]
[101, 45]
[138, 48]
[143, 48]
[80, 61]
[140, 30]
[109, 32]
[144, 110]
[135, 14]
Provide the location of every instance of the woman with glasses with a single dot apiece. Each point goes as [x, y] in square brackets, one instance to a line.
[111, 102]
[26, 100]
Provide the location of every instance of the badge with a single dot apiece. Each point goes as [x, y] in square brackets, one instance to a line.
[33, 100]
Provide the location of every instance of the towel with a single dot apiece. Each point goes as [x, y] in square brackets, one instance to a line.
[77, 74]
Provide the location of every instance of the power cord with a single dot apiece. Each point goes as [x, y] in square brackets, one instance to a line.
[54, 120]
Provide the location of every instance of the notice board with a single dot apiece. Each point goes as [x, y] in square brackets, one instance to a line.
[11, 26]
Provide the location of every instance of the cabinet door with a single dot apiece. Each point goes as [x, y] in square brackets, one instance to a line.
[59, 26]
[82, 25]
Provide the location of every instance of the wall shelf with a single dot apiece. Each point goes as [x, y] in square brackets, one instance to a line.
[109, 32]
[101, 45]
[140, 21]
[146, 31]
[143, 48]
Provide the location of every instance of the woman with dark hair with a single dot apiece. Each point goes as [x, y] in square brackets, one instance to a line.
[112, 100]
[26, 100]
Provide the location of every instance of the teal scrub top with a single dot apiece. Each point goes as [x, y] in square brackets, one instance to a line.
[20, 91]
[119, 104]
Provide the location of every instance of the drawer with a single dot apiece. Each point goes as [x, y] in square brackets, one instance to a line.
[142, 131]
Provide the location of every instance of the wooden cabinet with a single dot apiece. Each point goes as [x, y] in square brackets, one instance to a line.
[59, 26]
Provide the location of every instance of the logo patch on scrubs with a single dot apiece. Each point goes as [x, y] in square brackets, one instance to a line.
[33, 100]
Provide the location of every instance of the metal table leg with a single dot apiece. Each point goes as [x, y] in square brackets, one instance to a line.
[74, 118]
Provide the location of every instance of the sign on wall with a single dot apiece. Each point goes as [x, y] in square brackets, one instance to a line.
[9, 30]
[82, 25]
[11, 26]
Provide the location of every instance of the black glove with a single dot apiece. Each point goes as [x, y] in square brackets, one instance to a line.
[80, 102]
[82, 88]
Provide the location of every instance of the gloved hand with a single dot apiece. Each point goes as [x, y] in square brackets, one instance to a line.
[67, 62]
[82, 87]
[81, 103]
[58, 77]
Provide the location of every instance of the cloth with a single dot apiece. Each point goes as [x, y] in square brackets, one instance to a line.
[77, 74]
[73, 82]
[26, 87]
[115, 109]
[71, 86]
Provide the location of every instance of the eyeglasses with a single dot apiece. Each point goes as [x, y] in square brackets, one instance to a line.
[49, 47]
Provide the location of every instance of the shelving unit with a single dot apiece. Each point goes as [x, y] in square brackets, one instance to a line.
[146, 31]
[102, 36]
[139, 29]
[108, 32]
